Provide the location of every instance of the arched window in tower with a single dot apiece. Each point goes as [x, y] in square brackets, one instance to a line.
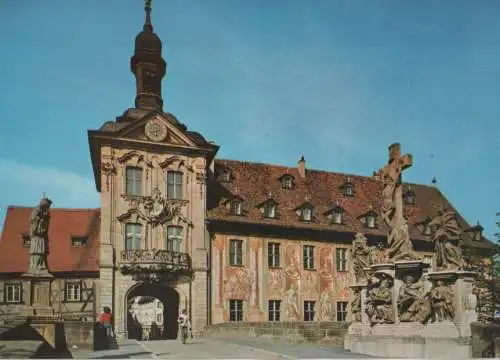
[173, 238]
[133, 236]
[174, 184]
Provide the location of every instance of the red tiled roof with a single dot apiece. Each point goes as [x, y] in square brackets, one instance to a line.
[255, 182]
[64, 224]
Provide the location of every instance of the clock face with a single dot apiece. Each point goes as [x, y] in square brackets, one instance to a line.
[156, 130]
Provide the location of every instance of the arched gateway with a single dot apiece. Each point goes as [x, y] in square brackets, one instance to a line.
[151, 310]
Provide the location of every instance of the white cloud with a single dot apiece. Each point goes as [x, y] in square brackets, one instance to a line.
[25, 183]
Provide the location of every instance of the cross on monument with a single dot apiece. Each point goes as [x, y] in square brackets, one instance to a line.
[397, 162]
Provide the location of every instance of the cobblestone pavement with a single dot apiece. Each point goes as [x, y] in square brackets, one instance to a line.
[241, 349]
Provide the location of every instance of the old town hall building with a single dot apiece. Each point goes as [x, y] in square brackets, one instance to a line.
[227, 240]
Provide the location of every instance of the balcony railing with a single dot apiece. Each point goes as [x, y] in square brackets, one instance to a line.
[154, 262]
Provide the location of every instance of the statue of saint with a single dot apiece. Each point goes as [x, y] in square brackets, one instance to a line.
[361, 256]
[444, 228]
[39, 228]
[356, 305]
[380, 303]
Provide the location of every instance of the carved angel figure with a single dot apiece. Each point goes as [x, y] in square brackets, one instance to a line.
[444, 228]
[442, 302]
[39, 227]
[413, 302]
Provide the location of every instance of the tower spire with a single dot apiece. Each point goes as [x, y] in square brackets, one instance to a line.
[147, 22]
[148, 66]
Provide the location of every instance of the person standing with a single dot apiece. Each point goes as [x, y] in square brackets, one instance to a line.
[106, 321]
[184, 325]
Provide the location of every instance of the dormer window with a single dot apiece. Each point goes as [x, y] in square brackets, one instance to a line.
[370, 221]
[477, 232]
[226, 175]
[305, 212]
[286, 181]
[348, 188]
[336, 215]
[410, 197]
[78, 241]
[235, 207]
[268, 209]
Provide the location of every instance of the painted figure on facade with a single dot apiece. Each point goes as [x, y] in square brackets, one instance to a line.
[39, 228]
[291, 300]
[293, 262]
[379, 303]
[445, 228]
[442, 302]
[400, 247]
[413, 301]
[325, 307]
[326, 262]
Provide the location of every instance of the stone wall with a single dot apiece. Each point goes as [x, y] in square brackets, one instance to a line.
[295, 332]
[79, 334]
[485, 340]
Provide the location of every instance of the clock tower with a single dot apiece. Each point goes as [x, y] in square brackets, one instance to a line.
[151, 173]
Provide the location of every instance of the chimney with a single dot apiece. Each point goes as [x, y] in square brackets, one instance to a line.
[301, 167]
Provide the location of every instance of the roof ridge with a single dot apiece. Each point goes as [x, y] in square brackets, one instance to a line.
[364, 177]
[54, 208]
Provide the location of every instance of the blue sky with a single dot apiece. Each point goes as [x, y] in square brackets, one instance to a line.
[336, 81]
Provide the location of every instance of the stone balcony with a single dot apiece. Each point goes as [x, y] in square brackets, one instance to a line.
[155, 264]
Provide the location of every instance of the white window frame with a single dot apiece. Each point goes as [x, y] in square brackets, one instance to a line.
[370, 221]
[342, 260]
[236, 252]
[269, 210]
[309, 310]
[273, 255]
[342, 311]
[236, 207]
[133, 236]
[307, 213]
[287, 182]
[135, 182]
[174, 183]
[274, 310]
[308, 257]
[348, 190]
[173, 238]
[337, 216]
[73, 291]
[235, 310]
[14, 295]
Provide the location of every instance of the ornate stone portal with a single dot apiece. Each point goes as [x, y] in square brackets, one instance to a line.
[399, 309]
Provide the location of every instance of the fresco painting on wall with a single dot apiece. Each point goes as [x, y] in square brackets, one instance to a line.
[237, 283]
[341, 284]
[326, 262]
[309, 281]
[292, 256]
[275, 281]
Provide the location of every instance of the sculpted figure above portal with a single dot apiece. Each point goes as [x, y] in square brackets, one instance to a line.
[413, 301]
[379, 303]
[400, 246]
[39, 228]
[445, 228]
[442, 302]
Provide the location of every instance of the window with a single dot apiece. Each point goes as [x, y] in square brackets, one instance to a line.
[236, 207]
[269, 210]
[287, 182]
[410, 198]
[73, 291]
[273, 255]
[174, 238]
[133, 184]
[306, 214]
[308, 257]
[225, 175]
[348, 190]
[12, 293]
[341, 255]
[235, 310]
[341, 310]
[236, 252]
[159, 318]
[133, 235]
[273, 309]
[370, 221]
[78, 241]
[309, 310]
[337, 216]
[174, 185]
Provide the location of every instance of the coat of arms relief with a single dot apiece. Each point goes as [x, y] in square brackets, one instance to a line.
[156, 209]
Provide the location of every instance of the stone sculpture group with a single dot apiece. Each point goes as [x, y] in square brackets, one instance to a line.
[401, 307]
